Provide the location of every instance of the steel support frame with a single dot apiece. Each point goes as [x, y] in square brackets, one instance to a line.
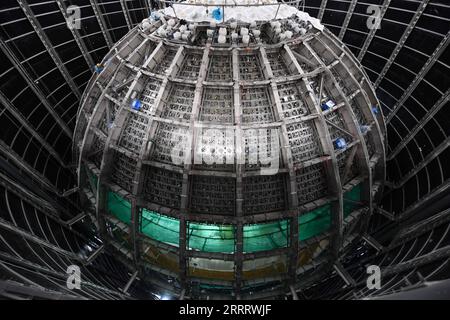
[340, 270]
[286, 155]
[420, 125]
[184, 260]
[147, 7]
[27, 196]
[420, 75]
[347, 19]
[25, 123]
[138, 182]
[445, 187]
[159, 102]
[361, 151]
[93, 119]
[10, 288]
[44, 243]
[331, 166]
[108, 153]
[38, 203]
[29, 80]
[10, 154]
[372, 32]
[430, 157]
[43, 270]
[112, 144]
[417, 229]
[108, 158]
[323, 5]
[76, 35]
[184, 218]
[402, 41]
[240, 168]
[102, 23]
[126, 13]
[49, 46]
[441, 253]
[372, 242]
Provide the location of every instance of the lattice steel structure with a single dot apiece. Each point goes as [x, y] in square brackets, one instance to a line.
[221, 229]
[407, 59]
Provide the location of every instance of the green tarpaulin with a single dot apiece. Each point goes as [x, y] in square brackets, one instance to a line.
[221, 238]
[265, 236]
[119, 207]
[160, 227]
[314, 223]
[351, 199]
[211, 238]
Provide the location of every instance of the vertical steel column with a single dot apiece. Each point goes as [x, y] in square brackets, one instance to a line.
[164, 92]
[95, 117]
[347, 19]
[331, 166]
[360, 150]
[286, 155]
[108, 155]
[139, 176]
[240, 167]
[126, 13]
[379, 174]
[191, 148]
[102, 23]
[323, 5]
